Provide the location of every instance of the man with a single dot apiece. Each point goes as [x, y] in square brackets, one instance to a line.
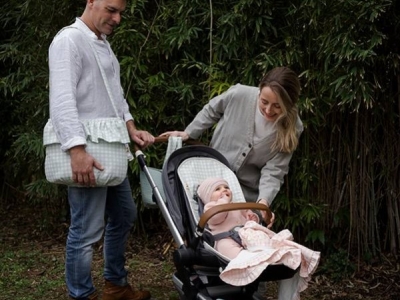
[77, 92]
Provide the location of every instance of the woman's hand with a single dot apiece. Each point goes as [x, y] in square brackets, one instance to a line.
[184, 135]
[264, 213]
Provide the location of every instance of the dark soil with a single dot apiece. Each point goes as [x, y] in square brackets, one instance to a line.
[149, 260]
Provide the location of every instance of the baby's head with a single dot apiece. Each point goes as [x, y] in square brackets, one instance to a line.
[213, 188]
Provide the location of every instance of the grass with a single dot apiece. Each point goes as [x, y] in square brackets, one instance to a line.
[32, 265]
[29, 274]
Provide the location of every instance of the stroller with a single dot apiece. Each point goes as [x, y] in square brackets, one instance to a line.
[197, 263]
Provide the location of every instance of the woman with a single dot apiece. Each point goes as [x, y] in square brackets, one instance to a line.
[257, 130]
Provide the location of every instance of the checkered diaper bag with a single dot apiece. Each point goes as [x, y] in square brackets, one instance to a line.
[113, 154]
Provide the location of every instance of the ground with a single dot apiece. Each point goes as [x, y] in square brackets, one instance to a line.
[32, 264]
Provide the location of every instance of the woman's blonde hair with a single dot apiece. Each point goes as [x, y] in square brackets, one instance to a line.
[286, 85]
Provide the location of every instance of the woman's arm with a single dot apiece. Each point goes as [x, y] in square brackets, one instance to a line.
[272, 176]
[210, 114]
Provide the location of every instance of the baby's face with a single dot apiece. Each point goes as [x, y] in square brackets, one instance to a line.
[222, 191]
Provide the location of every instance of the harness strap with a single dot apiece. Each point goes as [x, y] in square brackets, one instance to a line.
[233, 234]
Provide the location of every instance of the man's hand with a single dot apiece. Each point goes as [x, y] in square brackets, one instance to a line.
[82, 164]
[140, 137]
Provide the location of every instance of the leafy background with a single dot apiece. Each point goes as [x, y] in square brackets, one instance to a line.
[343, 188]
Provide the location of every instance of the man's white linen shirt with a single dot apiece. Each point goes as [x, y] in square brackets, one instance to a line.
[77, 89]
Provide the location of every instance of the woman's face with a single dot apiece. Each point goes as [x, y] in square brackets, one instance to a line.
[269, 104]
[220, 192]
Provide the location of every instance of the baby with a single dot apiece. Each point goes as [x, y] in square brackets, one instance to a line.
[254, 247]
[216, 191]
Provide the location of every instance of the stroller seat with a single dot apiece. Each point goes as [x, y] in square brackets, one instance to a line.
[195, 170]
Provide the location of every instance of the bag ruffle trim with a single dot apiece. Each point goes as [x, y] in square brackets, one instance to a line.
[111, 130]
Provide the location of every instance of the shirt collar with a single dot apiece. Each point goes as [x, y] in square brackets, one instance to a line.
[81, 25]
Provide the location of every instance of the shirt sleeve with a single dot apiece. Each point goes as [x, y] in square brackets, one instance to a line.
[210, 114]
[127, 116]
[272, 176]
[64, 73]
[126, 113]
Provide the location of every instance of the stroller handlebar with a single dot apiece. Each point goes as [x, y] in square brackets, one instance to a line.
[232, 206]
[164, 139]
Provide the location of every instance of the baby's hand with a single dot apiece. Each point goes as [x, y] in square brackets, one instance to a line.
[251, 216]
[224, 200]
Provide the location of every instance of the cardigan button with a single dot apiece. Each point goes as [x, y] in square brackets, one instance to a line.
[249, 145]
[244, 154]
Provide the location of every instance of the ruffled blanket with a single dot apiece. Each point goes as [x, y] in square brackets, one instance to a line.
[264, 247]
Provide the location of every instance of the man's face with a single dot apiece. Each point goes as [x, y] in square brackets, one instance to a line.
[106, 14]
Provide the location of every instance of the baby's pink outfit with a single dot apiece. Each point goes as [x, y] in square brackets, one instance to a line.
[263, 247]
[223, 222]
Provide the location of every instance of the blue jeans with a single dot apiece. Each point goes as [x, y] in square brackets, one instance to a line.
[91, 210]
